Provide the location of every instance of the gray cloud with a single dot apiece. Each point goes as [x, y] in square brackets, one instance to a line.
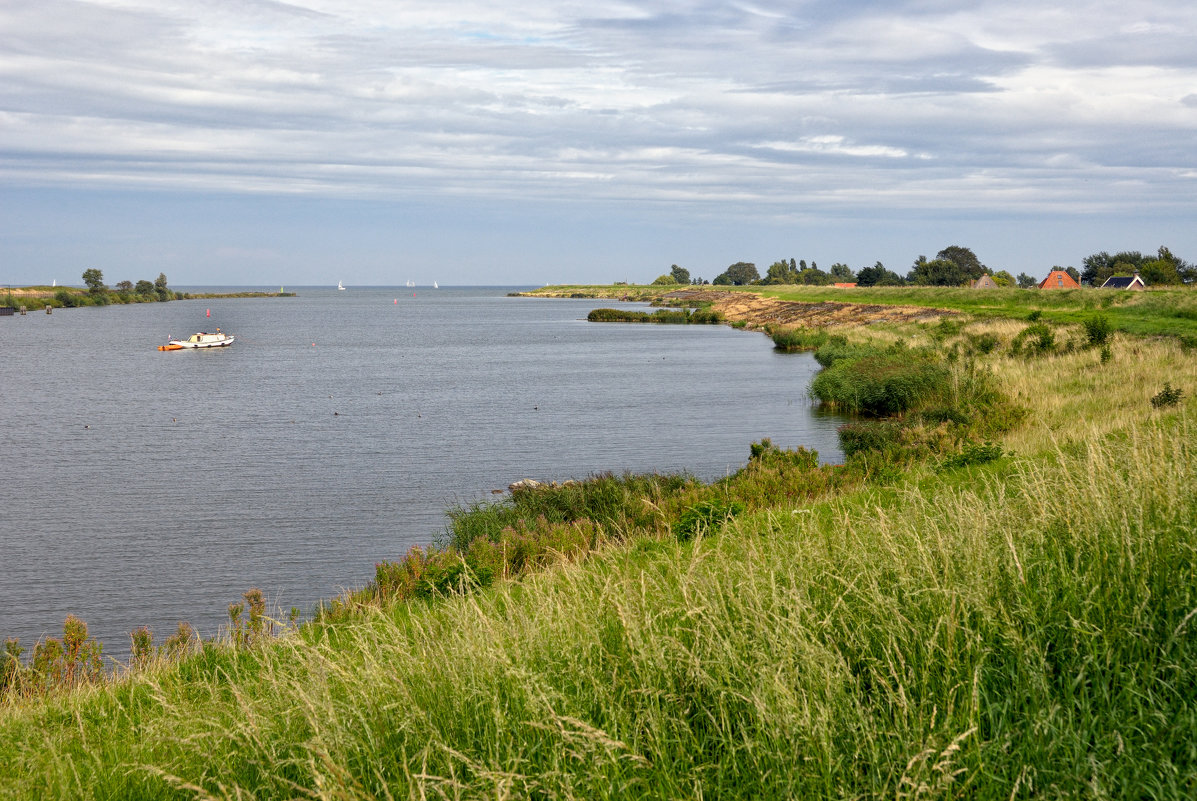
[926, 104]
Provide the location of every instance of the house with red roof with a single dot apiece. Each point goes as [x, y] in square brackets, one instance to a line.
[1059, 279]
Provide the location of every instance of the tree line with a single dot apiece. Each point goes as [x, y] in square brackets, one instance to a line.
[955, 265]
[122, 292]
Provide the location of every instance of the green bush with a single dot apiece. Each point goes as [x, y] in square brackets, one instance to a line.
[705, 516]
[1097, 330]
[797, 339]
[837, 349]
[1034, 340]
[975, 453]
[865, 436]
[1168, 396]
[881, 384]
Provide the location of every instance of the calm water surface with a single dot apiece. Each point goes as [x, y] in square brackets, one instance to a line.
[146, 488]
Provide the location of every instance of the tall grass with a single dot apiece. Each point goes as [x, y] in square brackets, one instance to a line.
[993, 638]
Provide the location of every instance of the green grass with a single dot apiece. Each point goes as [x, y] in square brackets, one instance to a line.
[983, 637]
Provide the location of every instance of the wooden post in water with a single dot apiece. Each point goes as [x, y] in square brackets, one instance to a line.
[22, 311]
[48, 308]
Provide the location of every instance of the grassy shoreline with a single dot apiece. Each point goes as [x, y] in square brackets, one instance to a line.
[1009, 624]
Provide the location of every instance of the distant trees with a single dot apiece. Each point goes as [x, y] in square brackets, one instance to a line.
[742, 273]
[144, 287]
[841, 273]
[1026, 281]
[664, 280]
[952, 266]
[123, 286]
[680, 275]
[878, 275]
[781, 272]
[1003, 278]
[1165, 268]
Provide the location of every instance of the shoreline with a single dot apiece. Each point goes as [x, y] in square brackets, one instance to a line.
[755, 310]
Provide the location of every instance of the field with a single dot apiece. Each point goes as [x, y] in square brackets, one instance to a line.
[994, 598]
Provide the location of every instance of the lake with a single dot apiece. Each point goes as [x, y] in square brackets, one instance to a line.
[146, 488]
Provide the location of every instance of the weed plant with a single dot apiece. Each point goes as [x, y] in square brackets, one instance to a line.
[701, 316]
[792, 339]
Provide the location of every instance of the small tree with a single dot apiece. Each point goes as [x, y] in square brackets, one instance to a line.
[94, 279]
[663, 280]
[680, 275]
[160, 287]
[1026, 281]
[124, 286]
[144, 287]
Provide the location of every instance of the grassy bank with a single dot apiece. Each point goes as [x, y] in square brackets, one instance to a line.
[1156, 312]
[930, 620]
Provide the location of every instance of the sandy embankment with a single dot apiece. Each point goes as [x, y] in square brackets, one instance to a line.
[759, 311]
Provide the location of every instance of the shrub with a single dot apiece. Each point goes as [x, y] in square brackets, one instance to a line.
[1034, 340]
[797, 339]
[705, 516]
[974, 453]
[984, 343]
[866, 436]
[1097, 330]
[613, 503]
[838, 349]
[1166, 397]
[880, 385]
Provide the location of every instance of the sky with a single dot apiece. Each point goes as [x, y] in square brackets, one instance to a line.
[263, 142]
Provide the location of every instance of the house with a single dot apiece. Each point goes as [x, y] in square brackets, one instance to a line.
[984, 282]
[1059, 279]
[845, 286]
[1124, 282]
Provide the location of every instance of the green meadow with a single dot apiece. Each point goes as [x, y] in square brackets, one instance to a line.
[995, 597]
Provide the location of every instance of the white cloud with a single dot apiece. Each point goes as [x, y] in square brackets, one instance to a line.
[763, 102]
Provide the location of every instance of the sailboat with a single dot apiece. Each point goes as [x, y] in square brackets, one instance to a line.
[340, 286]
[435, 285]
[411, 283]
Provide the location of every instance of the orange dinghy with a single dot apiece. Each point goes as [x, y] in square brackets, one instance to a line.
[171, 346]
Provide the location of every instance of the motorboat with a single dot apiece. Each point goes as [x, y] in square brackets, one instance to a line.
[200, 340]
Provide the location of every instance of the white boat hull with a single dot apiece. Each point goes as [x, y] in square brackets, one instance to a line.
[201, 340]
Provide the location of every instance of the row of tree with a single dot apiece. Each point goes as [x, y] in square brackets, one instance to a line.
[93, 279]
[953, 266]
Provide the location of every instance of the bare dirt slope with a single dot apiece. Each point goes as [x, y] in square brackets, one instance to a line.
[759, 311]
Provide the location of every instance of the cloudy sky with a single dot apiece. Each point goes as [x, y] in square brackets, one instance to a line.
[378, 141]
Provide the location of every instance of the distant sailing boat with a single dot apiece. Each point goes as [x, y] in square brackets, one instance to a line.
[411, 283]
[435, 285]
[55, 282]
[340, 286]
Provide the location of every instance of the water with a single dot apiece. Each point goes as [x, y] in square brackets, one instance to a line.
[146, 488]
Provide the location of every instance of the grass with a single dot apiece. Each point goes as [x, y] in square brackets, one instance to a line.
[1015, 619]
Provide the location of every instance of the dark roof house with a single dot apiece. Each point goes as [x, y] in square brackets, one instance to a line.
[1059, 279]
[1124, 282]
[984, 282]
